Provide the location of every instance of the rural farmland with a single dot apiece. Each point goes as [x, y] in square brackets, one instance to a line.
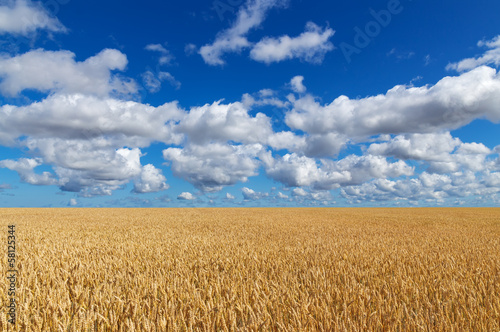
[261, 269]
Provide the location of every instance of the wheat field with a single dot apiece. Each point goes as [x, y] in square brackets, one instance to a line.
[433, 269]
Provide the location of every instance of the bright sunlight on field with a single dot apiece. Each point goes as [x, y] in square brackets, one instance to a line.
[254, 269]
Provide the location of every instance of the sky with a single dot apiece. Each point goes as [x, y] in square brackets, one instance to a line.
[222, 103]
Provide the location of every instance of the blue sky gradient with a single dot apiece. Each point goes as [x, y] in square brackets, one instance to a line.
[249, 103]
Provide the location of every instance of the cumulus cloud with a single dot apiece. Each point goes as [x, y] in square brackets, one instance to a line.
[233, 39]
[443, 153]
[23, 17]
[426, 187]
[298, 171]
[57, 71]
[186, 196]
[25, 168]
[299, 192]
[225, 122]
[151, 180]
[72, 202]
[310, 46]
[212, 166]
[282, 196]
[92, 137]
[252, 195]
[490, 57]
[449, 104]
[229, 196]
[430, 147]
[297, 84]
[81, 117]
[82, 138]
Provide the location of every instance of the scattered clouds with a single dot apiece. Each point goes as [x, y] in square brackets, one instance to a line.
[490, 57]
[92, 137]
[186, 196]
[165, 56]
[252, 195]
[23, 17]
[153, 82]
[310, 46]
[299, 171]
[233, 39]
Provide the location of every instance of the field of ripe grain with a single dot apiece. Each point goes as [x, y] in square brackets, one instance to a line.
[254, 269]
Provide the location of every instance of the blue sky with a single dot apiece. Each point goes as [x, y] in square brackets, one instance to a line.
[249, 103]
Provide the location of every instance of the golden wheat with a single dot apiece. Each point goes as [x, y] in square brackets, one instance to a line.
[255, 269]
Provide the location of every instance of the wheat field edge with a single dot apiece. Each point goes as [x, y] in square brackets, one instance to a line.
[260, 269]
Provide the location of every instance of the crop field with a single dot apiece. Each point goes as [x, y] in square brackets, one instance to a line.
[435, 269]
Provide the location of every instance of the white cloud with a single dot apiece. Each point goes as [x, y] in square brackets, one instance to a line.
[57, 71]
[210, 167]
[430, 147]
[297, 84]
[186, 196]
[299, 192]
[153, 82]
[151, 180]
[82, 138]
[233, 39]
[490, 57]
[282, 196]
[77, 117]
[310, 46]
[443, 153]
[165, 56]
[229, 196]
[164, 76]
[24, 17]
[298, 171]
[225, 122]
[252, 195]
[427, 187]
[25, 168]
[190, 49]
[451, 103]
[72, 202]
